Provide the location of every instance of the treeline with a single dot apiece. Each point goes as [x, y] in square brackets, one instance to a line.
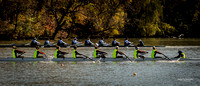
[20, 19]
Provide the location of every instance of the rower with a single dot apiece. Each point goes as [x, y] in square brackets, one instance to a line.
[154, 52]
[88, 42]
[34, 43]
[75, 53]
[137, 51]
[116, 52]
[37, 52]
[140, 43]
[115, 43]
[126, 42]
[58, 53]
[16, 51]
[98, 53]
[75, 42]
[61, 43]
[47, 42]
[101, 42]
[180, 54]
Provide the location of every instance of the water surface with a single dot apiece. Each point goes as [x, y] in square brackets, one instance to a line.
[106, 73]
[149, 73]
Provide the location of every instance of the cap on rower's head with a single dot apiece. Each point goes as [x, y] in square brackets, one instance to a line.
[102, 38]
[57, 47]
[75, 38]
[154, 47]
[37, 47]
[140, 40]
[96, 47]
[117, 47]
[180, 51]
[60, 38]
[35, 38]
[75, 47]
[14, 47]
[136, 47]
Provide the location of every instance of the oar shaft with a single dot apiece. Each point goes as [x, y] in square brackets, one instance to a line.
[166, 57]
[87, 57]
[128, 57]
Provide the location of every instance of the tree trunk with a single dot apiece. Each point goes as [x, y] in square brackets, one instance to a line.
[56, 31]
[16, 20]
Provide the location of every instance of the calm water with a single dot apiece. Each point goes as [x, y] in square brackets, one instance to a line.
[105, 73]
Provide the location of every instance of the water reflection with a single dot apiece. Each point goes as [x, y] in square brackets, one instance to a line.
[104, 73]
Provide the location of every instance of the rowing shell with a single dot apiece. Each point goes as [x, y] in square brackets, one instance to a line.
[95, 59]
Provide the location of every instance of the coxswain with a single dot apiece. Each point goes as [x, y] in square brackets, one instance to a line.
[140, 43]
[48, 43]
[116, 52]
[115, 43]
[59, 53]
[37, 52]
[88, 42]
[137, 51]
[98, 53]
[126, 42]
[61, 43]
[154, 52]
[16, 52]
[180, 54]
[34, 43]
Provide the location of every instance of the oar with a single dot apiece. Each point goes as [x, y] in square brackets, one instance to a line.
[106, 44]
[166, 57]
[87, 57]
[98, 60]
[101, 55]
[79, 43]
[54, 44]
[27, 44]
[21, 55]
[127, 57]
[45, 55]
[178, 59]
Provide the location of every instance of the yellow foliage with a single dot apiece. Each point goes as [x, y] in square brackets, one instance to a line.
[115, 32]
[150, 29]
[101, 29]
[196, 15]
[21, 17]
[20, 28]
